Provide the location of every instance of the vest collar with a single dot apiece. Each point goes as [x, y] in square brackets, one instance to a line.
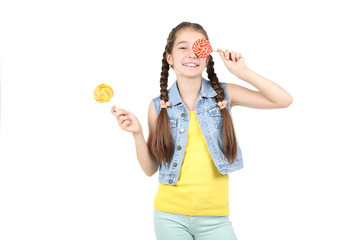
[206, 91]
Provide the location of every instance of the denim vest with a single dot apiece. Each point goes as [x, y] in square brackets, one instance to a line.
[210, 121]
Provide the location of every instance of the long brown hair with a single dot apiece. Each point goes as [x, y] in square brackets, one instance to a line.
[160, 141]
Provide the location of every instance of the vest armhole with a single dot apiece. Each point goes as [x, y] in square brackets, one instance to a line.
[156, 104]
[223, 85]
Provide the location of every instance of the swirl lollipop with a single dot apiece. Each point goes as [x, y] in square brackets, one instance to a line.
[202, 48]
[103, 93]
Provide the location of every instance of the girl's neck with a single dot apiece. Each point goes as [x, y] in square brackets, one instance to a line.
[189, 89]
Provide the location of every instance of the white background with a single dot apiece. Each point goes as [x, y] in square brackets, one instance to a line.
[67, 170]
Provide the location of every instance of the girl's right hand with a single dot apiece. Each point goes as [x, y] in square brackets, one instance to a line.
[126, 120]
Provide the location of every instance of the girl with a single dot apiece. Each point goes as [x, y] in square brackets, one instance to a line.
[191, 137]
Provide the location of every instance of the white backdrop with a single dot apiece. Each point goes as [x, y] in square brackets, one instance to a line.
[67, 171]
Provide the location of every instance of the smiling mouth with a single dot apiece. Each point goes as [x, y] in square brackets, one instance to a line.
[190, 65]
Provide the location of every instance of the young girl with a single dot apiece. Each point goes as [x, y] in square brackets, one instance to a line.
[191, 137]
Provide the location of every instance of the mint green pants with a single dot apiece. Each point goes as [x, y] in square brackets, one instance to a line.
[172, 226]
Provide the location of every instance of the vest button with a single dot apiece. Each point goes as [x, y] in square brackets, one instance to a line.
[174, 164]
[183, 114]
[182, 130]
[170, 181]
[178, 147]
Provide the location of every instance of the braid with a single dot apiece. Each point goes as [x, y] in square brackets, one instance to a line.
[164, 79]
[230, 146]
[214, 81]
[160, 141]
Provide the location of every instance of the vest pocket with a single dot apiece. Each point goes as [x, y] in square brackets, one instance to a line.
[173, 124]
[216, 117]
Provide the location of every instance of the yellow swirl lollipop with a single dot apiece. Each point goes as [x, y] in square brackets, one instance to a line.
[103, 93]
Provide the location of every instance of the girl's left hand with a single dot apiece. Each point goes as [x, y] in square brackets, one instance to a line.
[233, 61]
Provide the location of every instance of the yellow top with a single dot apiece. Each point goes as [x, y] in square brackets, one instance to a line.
[200, 189]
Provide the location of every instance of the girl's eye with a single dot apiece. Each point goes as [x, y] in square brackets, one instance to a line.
[183, 48]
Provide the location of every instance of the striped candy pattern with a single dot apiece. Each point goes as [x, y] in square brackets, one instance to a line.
[202, 48]
[103, 93]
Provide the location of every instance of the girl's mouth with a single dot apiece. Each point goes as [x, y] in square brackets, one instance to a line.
[192, 65]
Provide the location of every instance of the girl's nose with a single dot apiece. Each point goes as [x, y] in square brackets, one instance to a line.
[192, 54]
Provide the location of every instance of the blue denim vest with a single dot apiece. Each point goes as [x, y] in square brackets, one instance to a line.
[210, 120]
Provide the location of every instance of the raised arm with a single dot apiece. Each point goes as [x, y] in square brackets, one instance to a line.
[242, 96]
[270, 95]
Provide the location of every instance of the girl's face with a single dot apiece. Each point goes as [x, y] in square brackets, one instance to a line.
[183, 59]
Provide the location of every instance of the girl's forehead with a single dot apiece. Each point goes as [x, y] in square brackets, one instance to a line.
[188, 36]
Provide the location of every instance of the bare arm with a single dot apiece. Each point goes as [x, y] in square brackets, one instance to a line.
[147, 161]
[270, 95]
[242, 96]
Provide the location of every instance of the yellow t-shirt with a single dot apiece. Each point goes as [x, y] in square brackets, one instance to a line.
[200, 189]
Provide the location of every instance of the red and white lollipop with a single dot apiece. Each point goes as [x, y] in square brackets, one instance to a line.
[202, 48]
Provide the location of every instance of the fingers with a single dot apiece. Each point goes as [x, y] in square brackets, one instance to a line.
[118, 111]
[113, 109]
[124, 121]
[227, 55]
[233, 56]
[221, 53]
[224, 55]
[122, 116]
[237, 57]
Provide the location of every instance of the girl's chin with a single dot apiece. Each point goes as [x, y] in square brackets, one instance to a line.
[192, 72]
[187, 75]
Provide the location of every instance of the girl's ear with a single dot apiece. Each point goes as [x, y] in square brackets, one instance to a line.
[169, 59]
